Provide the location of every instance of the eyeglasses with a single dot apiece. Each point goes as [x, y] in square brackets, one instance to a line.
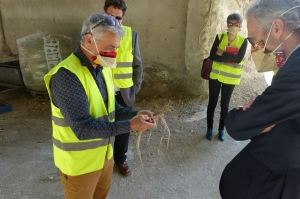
[249, 38]
[111, 21]
[116, 17]
[233, 24]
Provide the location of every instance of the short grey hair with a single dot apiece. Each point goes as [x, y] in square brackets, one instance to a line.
[99, 25]
[265, 11]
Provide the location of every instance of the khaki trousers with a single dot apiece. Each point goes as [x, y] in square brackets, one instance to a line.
[94, 185]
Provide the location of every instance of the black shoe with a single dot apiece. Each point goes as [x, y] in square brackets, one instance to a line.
[221, 135]
[209, 134]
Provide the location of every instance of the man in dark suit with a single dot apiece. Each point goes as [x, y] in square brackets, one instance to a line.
[269, 166]
[127, 76]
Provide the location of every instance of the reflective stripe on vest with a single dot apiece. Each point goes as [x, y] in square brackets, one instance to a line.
[62, 122]
[122, 76]
[124, 64]
[71, 155]
[79, 146]
[123, 72]
[231, 64]
[228, 73]
[225, 74]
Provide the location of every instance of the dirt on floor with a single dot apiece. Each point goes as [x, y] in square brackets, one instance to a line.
[190, 168]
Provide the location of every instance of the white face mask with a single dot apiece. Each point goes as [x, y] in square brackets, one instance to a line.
[105, 59]
[233, 30]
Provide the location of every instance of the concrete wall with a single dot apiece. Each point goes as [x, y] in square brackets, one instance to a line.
[174, 35]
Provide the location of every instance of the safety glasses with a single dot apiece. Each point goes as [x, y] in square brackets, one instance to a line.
[111, 21]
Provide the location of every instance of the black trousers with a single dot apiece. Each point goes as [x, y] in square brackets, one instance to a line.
[214, 89]
[121, 141]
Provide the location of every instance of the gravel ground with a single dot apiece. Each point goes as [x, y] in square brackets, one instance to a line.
[190, 168]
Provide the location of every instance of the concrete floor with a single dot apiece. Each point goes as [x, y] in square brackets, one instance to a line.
[191, 168]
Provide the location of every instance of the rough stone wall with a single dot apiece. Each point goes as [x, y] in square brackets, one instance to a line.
[205, 20]
[174, 35]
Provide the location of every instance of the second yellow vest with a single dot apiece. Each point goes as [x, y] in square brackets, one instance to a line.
[228, 73]
[123, 72]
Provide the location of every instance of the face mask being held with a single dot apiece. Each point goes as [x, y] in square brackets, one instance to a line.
[269, 61]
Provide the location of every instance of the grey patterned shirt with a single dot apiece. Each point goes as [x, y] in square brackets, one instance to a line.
[69, 96]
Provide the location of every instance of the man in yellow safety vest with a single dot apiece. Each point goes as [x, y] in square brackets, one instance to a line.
[127, 76]
[85, 116]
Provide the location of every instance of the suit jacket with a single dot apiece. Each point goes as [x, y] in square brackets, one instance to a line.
[269, 166]
[128, 94]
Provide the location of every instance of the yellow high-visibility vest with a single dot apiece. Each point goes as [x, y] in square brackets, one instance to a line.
[123, 72]
[71, 155]
[228, 73]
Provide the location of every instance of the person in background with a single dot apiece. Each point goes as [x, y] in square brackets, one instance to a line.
[269, 165]
[127, 76]
[85, 116]
[227, 53]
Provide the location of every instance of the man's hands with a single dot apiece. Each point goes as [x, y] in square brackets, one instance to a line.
[246, 106]
[143, 121]
[145, 112]
[149, 113]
